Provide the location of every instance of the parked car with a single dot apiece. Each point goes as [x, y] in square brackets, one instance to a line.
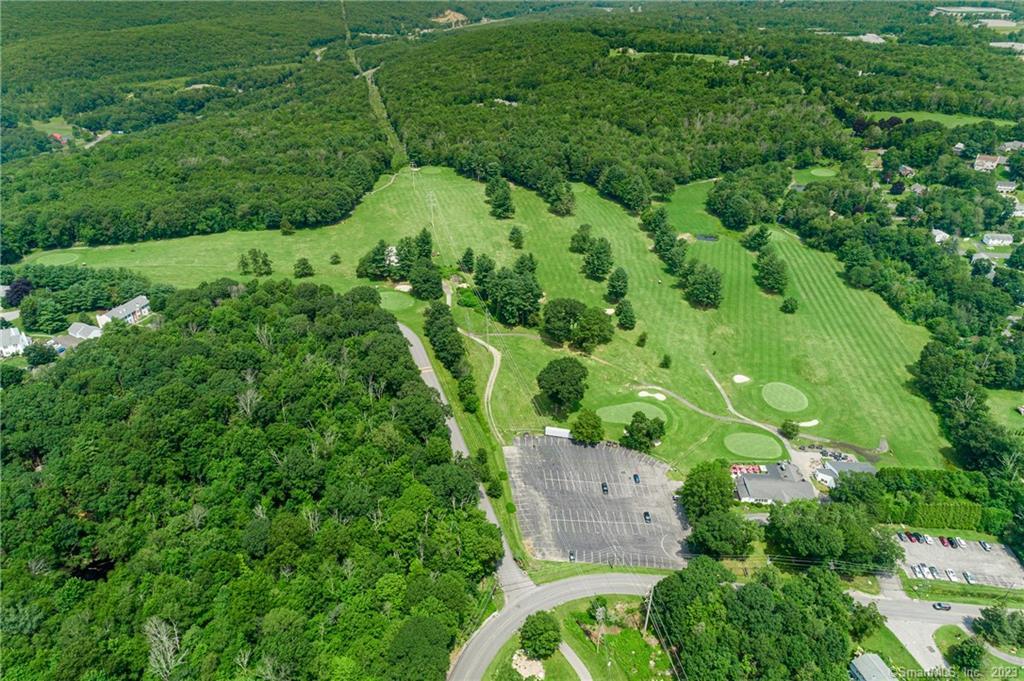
[911, 537]
[928, 539]
[985, 545]
[916, 569]
[942, 606]
[961, 543]
[935, 572]
[919, 537]
[572, 556]
[943, 541]
[647, 517]
[954, 543]
[636, 478]
[951, 574]
[924, 571]
[899, 535]
[969, 577]
[604, 488]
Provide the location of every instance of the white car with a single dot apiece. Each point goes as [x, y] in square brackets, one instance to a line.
[969, 577]
[928, 539]
[924, 571]
[961, 543]
[952, 575]
[916, 570]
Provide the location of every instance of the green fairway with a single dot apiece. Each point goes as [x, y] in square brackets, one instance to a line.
[845, 351]
[949, 120]
[1004, 404]
[805, 175]
[753, 446]
[622, 413]
[58, 258]
[784, 397]
[396, 300]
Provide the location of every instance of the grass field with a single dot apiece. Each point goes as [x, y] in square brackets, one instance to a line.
[624, 654]
[885, 644]
[844, 350]
[1003, 404]
[949, 120]
[958, 592]
[991, 667]
[556, 667]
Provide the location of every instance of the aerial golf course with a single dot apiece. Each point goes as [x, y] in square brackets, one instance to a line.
[838, 366]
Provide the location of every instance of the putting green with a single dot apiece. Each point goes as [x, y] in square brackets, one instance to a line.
[823, 172]
[57, 258]
[784, 397]
[623, 413]
[395, 300]
[753, 445]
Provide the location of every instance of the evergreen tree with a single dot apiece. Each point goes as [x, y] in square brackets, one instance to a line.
[581, 239]
[624, 312]
[770, 272]
[500, 198]
[286, 228]
[594, 328]
[424, 244]
[1016, 259]
[704, 287]
[561, 315]
[642, 432]
[756, 238]
[406, 252]
[466, 261]
[515, 237]
[425, 278]
[598, 260]
[302, 268]
[243, 264]
[374, 265]
[335, 259]
[483, 270]
[618, 284]
[789, 305]
[675, 259]
[641, 340]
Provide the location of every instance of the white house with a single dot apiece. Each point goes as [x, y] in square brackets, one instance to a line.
[84, 331]
[12, 342]
[918, 189]
[997, 239]
[1013, 145]
[986, 163]
[131, 312]
[1018, 210]
[554, 431]
[829, 473]
[940, 236]
[1006, 187]
[907, 171]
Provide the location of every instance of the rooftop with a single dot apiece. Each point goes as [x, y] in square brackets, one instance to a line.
[125, 309]
[870, 667]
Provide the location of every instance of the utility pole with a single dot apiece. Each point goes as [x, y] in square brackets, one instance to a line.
[647, 617]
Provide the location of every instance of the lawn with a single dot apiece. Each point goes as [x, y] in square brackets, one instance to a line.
[885, 644]
[991, 667]
[556, 667]
[949, 120]
[959, 592]
[624, 654]
[1003, 404]
[844, 351]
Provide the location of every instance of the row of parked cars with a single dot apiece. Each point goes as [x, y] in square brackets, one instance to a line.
[951, 542]
[922, 571]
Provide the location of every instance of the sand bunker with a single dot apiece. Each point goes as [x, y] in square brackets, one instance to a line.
[808, 424]
[740, 378]
[609, 311]
[657, 396]
[404, 288]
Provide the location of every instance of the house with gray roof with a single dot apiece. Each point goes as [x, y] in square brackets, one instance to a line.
[1006, 186]
[84, 331]
[830, 471]
[130, 313]
[870, 667]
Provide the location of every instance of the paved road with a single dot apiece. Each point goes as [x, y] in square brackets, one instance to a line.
[480, 650]
[419, 355]
[575, 662]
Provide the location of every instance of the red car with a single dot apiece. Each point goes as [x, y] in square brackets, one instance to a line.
[911, 537]
[943, 540]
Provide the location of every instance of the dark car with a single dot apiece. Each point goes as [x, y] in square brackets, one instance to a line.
[919, 537]
[636, 478]
[942, 606]
[604, 488]
[572, 556]
[647, 517]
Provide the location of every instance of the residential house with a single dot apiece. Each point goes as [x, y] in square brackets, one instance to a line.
[780, 483]
[1011, 146]
[870, 667]
[918, 189]
[1018, 210]
[829, 473]
[958, 148]
[997, 239]
[1006, 187]
[940, 236]
[13, 341]
[986, 163]
[907, 171]
[130, 313]
[84, 331]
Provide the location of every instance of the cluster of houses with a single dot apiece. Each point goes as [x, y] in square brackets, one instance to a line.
[13, 341]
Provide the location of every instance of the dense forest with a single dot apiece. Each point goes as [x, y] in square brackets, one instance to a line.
[261, 488]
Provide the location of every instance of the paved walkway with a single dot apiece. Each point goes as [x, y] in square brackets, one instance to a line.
[419, 355]
[575, 662]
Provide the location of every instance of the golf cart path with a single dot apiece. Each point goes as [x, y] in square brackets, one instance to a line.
[575, 662]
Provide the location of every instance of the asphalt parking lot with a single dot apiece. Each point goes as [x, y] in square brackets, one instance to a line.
[997, 567]
[561, 506]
